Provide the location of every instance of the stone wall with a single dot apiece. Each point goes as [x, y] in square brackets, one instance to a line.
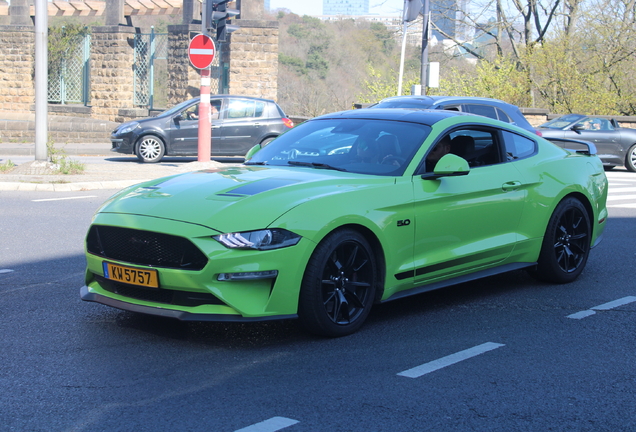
[184, 80]
[254, 59]
[112, 57]
[17, 59]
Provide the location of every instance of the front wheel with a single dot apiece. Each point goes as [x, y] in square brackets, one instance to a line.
[338, 287]
[566, 244]
[150, 149]
[630, 159]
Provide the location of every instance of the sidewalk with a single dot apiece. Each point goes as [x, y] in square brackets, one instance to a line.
[118, 173]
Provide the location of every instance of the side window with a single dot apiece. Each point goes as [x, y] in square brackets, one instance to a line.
[517, 146]
[503, 116]
[479, 147]
[482, 110]
[245, 109]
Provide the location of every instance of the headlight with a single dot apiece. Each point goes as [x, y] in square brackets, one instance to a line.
[262, 239]
[128, 128]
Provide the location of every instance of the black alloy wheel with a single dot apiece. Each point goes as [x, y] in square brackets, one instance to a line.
[566, 245]
[338, 288]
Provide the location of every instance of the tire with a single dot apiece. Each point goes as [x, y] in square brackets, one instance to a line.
[150, 149]
[566, 244]
[266, 141]
[338, 287]
[630, 159]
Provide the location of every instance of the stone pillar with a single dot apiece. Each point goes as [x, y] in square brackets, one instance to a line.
[114, 12]
[191, 12]
[112, 75]
[250, 9]
[254, 58]
[184, 80]
[17, 61]
[19, 13]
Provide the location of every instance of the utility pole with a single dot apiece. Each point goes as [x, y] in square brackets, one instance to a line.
[426, 12]
[41, 79]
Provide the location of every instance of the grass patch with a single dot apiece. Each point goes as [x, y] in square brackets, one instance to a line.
[60, 159]
[7, 166]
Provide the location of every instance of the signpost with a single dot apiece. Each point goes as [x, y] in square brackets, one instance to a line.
[201, 52]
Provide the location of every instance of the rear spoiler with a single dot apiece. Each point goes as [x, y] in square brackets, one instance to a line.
[589, 148]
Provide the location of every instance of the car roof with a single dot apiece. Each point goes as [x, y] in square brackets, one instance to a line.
[227, 96]
[424, 116]
[432, 100]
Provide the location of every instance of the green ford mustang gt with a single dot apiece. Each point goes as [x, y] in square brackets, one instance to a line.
[344, 211]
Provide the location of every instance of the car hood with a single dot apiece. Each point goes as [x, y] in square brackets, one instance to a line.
[233, 199]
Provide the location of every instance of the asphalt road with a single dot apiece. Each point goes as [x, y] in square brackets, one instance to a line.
[501, 354]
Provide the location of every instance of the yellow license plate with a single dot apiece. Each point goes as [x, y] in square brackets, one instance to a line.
[131, 275]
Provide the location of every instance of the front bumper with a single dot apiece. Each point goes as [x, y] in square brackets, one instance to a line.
[121, 145]
[201, 294]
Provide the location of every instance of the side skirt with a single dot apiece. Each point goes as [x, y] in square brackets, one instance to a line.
[460, 279]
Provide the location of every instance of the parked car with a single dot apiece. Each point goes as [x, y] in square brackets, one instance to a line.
[238, 123]
[492, 108]
[344, 211]
[616, 145]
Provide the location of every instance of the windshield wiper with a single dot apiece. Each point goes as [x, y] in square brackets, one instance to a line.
[255, 163]
[316, 165]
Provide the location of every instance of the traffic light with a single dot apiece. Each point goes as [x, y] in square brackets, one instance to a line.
[412, 9]
[219, 14]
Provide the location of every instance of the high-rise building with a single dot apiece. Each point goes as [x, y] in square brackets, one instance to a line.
[345, 7]
[267, 5]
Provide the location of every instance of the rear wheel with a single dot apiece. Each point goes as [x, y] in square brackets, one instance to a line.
[150, 149]
[630, 159]
[338, 287]
[566, 244]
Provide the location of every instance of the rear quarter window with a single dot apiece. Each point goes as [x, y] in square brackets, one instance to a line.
[518, 146]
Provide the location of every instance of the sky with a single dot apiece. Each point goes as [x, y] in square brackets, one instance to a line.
[314, 7]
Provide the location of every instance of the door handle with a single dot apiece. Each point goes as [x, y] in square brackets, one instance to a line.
[511, 186]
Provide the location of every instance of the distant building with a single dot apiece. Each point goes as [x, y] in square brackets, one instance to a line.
[345, 7]
[267, 5]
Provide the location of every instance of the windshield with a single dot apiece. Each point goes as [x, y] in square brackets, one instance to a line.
[377, 147]
[563, 121]
[175, 109]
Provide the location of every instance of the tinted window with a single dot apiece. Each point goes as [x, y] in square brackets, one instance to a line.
[245, 109]
[482, 110]
[486, 146]
[503, 116]
[518, 146]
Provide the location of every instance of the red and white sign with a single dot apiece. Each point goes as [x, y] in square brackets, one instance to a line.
[201, 51]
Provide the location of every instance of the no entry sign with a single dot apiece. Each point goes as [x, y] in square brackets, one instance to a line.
[201, 51]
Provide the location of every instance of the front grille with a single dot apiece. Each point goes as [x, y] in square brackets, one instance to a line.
[144, 248]
[158, 295]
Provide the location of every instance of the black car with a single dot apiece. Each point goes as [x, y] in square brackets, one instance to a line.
[492, 108]
[238, 123]
[615, 145]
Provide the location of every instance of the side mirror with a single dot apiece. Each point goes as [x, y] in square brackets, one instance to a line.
[449, 165]
[578, 127]
[178, 117]
[251, 152]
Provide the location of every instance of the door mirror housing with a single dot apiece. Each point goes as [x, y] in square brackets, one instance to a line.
[449, 165]
[251, 152]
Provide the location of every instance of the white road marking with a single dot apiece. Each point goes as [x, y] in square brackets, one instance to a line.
[272, 425]
[5, 271]
[605, 306]
[581, 315]
[429, 367]
[615, 303]
[622, 189]
[621, 197]
[67, 198]
[629, 206]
